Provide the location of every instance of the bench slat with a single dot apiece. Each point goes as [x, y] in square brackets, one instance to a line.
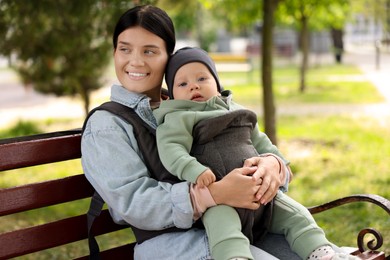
[61, 232]
[36, 195]
[18, 152]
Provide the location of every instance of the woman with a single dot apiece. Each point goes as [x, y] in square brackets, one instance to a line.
[143, 40]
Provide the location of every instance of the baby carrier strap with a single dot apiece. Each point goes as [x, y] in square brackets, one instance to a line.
[145, 136]
[146, 139]
[205, 130]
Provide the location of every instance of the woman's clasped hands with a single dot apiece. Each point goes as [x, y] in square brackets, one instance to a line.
[256, 183]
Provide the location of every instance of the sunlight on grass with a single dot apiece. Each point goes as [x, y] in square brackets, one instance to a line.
[334, 157]
[40, 173]
[327, 84]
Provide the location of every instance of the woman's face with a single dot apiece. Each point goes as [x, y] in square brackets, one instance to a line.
[140, 59]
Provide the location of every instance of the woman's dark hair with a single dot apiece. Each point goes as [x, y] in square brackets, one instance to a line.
[150, 18]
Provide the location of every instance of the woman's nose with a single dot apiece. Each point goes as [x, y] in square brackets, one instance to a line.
[136, 60]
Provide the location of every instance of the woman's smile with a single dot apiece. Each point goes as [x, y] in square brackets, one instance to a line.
[137, 75]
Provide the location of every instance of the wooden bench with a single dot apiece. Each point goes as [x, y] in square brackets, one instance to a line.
[229, 62]
[60, 146]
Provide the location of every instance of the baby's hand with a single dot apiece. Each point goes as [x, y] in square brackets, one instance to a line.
[205, 178]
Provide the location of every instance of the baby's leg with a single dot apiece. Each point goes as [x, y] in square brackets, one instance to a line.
[223, 228]
[297, 224]
[302, 232]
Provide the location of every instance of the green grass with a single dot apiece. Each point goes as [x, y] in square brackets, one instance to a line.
[31, 127]
[334, 157]
[327, 84]
[21, 128]
[331, 156]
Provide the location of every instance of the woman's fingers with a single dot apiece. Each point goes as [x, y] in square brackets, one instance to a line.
[266, 176]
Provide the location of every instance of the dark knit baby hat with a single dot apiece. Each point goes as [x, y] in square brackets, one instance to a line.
[187, 55]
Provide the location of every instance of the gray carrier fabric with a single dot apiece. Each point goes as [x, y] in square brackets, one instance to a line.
[223, 143]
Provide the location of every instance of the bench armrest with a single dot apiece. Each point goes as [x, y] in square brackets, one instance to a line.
[372, 198]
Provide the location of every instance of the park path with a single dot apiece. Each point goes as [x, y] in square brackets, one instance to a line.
[18, 103]
[365, 59]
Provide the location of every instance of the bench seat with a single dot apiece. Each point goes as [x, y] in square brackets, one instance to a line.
[55, 147]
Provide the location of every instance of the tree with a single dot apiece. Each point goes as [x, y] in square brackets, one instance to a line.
[61, 47]
[307, 15]
[340, 10]
[338, 43]
[300, 12]
[269, 7]
[244, 14]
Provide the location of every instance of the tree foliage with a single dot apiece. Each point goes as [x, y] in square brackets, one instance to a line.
[191, 20]
[321, 14]
[183, 13]
[235, 14]
[309, 15]
[378, 9]
[61, 47]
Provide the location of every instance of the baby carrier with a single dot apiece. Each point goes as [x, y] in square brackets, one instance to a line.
[258, 221]
[223, 143]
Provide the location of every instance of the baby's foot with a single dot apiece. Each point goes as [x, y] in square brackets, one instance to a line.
[327, 253]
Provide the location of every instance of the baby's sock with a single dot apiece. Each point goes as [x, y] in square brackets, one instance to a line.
[327, 253]
[320, 252]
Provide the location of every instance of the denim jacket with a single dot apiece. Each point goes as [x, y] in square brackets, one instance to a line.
[113, 164]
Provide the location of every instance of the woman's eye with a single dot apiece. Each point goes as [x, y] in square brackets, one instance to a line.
[149, 52]
[125, 50]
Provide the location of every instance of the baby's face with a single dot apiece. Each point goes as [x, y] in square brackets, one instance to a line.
[193, 81]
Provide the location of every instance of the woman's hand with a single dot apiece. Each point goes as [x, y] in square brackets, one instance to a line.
[238, 188]
[257, 182]
[268, 174]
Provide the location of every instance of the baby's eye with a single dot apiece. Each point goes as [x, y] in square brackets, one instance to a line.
[183, 84]
[202, 79]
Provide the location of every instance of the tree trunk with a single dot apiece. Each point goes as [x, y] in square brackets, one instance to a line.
[338, 44]
[305, 53]
[269, 111]
[85, 96]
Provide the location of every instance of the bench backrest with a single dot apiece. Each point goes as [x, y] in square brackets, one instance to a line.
[61, 146]
[42, 149]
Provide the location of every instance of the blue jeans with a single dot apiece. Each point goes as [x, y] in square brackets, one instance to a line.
[193, 244]
[277, 246]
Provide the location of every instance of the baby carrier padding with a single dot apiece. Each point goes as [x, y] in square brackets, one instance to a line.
[223, 143]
